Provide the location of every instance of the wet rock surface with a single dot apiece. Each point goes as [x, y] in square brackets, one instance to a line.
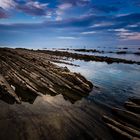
[26, 74]
[125, 124]
[52, 119]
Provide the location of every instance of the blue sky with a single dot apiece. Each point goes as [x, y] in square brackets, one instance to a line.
[64, 23]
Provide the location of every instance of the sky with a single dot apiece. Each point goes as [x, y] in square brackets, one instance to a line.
[69, 23]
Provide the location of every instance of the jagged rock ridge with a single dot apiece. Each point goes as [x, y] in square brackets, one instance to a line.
[26, 73]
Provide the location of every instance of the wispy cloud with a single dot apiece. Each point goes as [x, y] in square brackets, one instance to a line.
[102, 24]
[61, 10]
[134, 36]
[125, 34]
[77, 2]
[65, 6]
[129, 35]
[7, 4]
[121, 30]
[66, 37]
[87, 33]
[33, 8]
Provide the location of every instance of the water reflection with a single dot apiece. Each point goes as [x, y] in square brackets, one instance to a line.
[52, 118]
[30, 97]
[117, 82]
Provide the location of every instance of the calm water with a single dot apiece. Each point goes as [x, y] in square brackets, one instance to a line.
[116, 82]
[132, 57]
[129, 56]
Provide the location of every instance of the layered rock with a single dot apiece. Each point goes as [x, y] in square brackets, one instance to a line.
[125, 124]
[29, 73]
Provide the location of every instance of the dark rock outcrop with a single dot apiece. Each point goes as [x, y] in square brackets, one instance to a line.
[26, 74]
[86, 57]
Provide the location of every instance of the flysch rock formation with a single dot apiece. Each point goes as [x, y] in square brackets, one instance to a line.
[125, 124]
[26, 74]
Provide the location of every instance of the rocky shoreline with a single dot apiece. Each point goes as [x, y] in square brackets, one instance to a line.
[103, 52]
[120, 51]
[86, 57]
[26, 74]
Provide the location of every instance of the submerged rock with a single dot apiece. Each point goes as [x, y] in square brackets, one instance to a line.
[125, 124]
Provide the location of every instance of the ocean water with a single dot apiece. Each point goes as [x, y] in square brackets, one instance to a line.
[116, 82]
[128, 56]
[130, 50]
